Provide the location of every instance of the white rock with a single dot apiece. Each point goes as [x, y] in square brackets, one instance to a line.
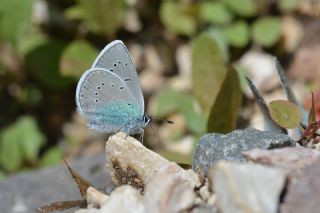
[169, 191]
[129, 162]
[95, 198]
[124, 199]
[245, 188]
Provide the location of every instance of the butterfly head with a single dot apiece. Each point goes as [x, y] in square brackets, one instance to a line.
[146, 120]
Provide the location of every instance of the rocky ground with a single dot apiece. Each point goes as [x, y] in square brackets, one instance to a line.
[244, 171]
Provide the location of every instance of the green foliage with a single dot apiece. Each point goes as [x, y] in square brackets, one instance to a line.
[266, 31]
[43, 63]
[20, 142]
[285, 113]
[208, 70]
[51, 157]
[215, 13]
[224, 113]
[237, 34]
[15, 18]
[30, 42]
[178, 18]
[170, 101]
[288, 5]
[76, 58]
[246, 8]
[100, 16]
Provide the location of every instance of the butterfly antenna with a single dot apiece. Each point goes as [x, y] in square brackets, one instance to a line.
[163, 121]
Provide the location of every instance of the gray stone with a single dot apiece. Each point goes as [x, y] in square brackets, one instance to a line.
[25, 192]
[246, 187]
[214, 146]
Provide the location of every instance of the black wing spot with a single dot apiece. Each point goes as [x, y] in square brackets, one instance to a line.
[102, 84]
[129, 104]
[114, 99]
[112, 85]
[96, 93]
[114, 65]
[96, 100]
[127, 79]
[81, 96]
[98, 87]
[111, 70]
[119, 62]
[126, 64]
[121, 87]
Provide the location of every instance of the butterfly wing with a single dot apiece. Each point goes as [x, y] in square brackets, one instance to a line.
[105, 100]
[115, 57]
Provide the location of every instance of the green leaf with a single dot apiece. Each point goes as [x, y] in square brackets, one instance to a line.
[178, 18]
[15, 18]
[20, 141]
[285, 113]
[31, 139]
[288, 5]
[237, 34]
[266, 31]
[196, 121]
[246, 8]
[166, 103]
[224, 113]
[100, 16]
[43, 64]
[208, 70]
[221, 41]
[30, 42]
[170, 101]
[312, 112]
[215, 13]
[51, 157]
[10, 152]
[76, 58]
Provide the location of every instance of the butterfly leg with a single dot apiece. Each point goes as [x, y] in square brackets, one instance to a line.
[141, 135]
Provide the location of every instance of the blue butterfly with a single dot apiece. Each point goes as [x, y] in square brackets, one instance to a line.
[109, 95]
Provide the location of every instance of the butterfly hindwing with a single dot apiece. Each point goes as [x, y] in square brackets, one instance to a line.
[105, 100]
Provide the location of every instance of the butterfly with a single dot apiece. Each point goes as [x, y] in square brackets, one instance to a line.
[109, 95]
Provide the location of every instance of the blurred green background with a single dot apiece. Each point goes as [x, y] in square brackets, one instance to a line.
[188, 54]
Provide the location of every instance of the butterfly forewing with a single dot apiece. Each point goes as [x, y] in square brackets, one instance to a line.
[115, 57]
[105, 100]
